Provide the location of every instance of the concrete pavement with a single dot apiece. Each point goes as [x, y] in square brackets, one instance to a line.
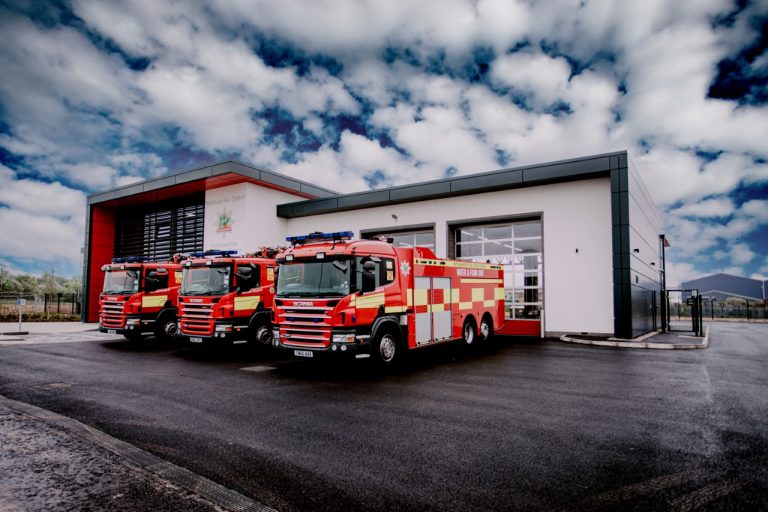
[47, 327]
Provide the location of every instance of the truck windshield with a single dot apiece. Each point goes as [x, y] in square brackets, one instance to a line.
[314, 278]
[121, 281]
[213, 280]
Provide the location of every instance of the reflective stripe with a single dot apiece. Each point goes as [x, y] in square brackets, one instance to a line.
[478, 294]
[498, 293]
[395, 309]
[489, 303]
[456, 264]
[465, 305]
[482, 281]
[369, 301]
[247, 302]
[420, 297]
[153, 302]
[409, 297]
[455, 296]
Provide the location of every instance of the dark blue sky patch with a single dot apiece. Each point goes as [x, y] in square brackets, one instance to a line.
[376, 179]
[390, 54]
[728, 18]
[9, 159]
[46, 13]
[289, 133]
[502, 158]
[559, 108]
[280, 54]
[744, 193]
[738, 78]
[707, 155]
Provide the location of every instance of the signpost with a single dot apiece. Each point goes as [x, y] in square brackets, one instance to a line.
[21, 303]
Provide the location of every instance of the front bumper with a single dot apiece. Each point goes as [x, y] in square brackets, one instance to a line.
[359, 348]
[223, 333]
[132, 325]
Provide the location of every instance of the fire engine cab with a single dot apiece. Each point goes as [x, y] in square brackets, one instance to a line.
[225, 298]
[140, 297]
[371, 299]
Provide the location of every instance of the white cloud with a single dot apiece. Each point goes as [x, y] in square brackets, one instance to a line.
[40, 222]
[708, 208]
[741, 254]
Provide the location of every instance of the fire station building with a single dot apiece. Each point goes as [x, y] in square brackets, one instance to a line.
[581, 240]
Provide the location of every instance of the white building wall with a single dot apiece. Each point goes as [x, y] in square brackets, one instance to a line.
[578, 287]
[252, 210]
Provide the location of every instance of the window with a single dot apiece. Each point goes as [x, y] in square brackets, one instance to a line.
[425, 238]
[517, 246]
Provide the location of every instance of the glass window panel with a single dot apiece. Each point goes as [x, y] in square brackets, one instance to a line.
[469, 250]
[530, 279]
[469, 235]
[528, 229]
[498, 232]
[532, 262]
[528, 246]
[402, 240]
[425, 239]
[497, 248]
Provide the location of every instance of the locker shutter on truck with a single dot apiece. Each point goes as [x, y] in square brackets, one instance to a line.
[432, 308]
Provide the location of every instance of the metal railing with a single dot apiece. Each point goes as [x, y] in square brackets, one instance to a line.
[60, 303]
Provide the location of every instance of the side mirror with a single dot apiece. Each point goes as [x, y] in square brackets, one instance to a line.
[244, 272]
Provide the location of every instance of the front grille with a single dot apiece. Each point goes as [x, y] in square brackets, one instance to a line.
[112, 315]
[197, 319]
[305, 326]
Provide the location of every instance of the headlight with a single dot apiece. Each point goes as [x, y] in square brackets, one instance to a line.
[344, 338]
[132, 321]
[276, 334]
[223, 328]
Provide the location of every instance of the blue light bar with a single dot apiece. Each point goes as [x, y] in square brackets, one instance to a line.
[129, 259]
[213, 252]
[317, 236]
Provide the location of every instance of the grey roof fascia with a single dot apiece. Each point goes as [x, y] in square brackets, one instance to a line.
[526, 176]
[198, 173]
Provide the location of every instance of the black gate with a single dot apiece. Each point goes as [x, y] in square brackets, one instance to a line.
[689, 308]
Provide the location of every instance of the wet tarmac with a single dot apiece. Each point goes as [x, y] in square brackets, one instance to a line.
[521, 424]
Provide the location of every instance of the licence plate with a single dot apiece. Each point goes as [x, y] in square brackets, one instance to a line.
[196, 340]
[303, 353]
[111, 331]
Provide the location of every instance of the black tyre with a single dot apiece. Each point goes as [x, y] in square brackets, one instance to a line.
[486, 329]
[167, 328]
[469, 332]
[386, 348]
[261, 334]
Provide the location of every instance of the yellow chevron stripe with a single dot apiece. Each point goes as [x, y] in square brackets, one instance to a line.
[153, 302]
[369, 301]
[250, 302]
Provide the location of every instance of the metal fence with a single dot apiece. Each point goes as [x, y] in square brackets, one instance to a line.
[61, 303]
[714, 311]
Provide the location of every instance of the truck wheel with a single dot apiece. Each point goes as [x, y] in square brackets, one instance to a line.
[385, 348]
[261, 335]
[469, 332]
[486, 329]
[166, 328]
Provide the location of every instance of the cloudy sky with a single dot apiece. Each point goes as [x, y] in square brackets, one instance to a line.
[355, 94]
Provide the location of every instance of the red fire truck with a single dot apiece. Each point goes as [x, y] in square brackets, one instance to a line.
[369, 298]
[226, 298]
[140, 297]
